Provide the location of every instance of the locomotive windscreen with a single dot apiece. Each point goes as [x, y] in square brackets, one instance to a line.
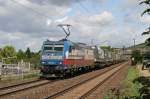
[58, 47]
[46, 48]
[53, 48]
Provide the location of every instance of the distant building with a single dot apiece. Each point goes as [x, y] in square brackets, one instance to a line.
[141, 47]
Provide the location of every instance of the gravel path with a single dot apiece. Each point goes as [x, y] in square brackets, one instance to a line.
[144, 72]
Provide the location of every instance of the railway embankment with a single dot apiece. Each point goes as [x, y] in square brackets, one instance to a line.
[136, 85]
[47, 90]
[11, 79]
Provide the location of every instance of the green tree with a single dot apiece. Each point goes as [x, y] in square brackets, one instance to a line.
[28, 53]
[147, 11]
[21, 55]
[35, 59]
[136, 54]
[0, 54]
[8, 51]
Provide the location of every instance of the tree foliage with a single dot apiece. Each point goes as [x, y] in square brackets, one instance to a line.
[21, 55]
[8, 51]
[146, 55]
[0, 53]
[27, 56]
[8, 54]
[146, 11]
[136, 54]
[28, 53]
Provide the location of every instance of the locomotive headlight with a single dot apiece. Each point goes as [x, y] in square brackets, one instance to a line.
[60, 63]
[43, 62]
[45, 56]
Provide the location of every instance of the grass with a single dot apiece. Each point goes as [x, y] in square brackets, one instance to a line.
[129, 88]
[11, 78]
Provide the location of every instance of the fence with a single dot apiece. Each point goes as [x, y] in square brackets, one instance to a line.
[19, 68]
[20, 71]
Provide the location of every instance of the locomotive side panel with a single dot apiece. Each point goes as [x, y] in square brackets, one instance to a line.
[79, 56]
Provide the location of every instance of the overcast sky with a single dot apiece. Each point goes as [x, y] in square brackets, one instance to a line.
[27, 23]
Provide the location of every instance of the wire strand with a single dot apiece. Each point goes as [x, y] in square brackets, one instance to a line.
[31, 9]
[82, 6]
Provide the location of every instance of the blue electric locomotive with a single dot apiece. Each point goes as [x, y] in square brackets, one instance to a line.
[63, 56]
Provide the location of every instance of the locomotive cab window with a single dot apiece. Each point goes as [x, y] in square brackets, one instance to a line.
[58, 48]
[46, 48]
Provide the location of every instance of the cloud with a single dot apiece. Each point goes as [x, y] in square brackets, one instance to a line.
[49, 22]
[89, 26]
[145, 19]
[31, 44]
[56, 2]
[36, 21]
[103, 18]
[17, 18]
[62, 19]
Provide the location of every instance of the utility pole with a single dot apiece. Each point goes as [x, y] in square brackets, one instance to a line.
[134, 43]
[92, 42]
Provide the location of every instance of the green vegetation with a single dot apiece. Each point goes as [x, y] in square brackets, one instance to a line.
[146, 11]
[134, 86]
[16, 56]
[31, 74]
[142, 45]
[129, 89]
[107, 48]
[136, 54]
[8, 52]
[146, 55]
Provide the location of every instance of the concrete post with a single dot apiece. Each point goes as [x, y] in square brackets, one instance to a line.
[29, 66]
[0, 70]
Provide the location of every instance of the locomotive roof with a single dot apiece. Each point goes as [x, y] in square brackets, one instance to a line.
[78, 44]
[53, 42]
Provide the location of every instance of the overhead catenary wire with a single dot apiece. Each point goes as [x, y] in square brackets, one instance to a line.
[42, 14]
[31, 9]
[82, 6]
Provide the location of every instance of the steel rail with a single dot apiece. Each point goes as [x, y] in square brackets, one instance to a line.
[19, 84]
[76, 85]
[100, 84]
[15, 90]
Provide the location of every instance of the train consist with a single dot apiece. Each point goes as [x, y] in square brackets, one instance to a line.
[64, 57]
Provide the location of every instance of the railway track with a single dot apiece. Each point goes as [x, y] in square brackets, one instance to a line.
[18, 84]
[98, 85]
[84, 88]
[22, 86]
